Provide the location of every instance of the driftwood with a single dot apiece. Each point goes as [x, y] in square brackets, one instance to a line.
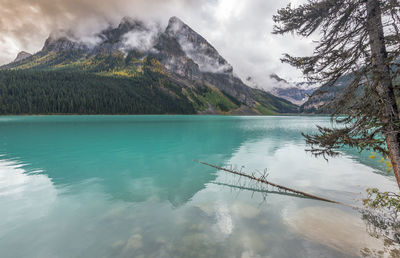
[263, 180]
[256, 190]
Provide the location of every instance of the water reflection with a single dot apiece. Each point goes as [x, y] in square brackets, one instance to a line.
[128, 186]
[258, 189]
[138, 157]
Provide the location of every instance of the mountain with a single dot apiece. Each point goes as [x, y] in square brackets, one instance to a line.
[318, 101]
[324, 94]
[21, 56]
[175, 66]
[297, 93]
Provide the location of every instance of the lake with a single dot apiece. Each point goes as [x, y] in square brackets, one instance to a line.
[128, 186]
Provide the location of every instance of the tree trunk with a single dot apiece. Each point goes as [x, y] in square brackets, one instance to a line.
[384, 84]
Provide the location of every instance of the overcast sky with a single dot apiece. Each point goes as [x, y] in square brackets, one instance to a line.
[240, 30]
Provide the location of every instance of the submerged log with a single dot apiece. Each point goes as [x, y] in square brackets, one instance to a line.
[263, 180]
[254, 190]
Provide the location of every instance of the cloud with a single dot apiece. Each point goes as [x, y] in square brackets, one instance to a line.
[25, 24]
[206, 63]
[239, 30]
[143, 40]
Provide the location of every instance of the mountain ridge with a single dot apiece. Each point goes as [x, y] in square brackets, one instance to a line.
[177, 55]
[294, 92]
[21, 56]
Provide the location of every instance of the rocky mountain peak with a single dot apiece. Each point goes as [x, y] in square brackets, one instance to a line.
[130, 23]
[174, 25]
[127, 24]
[22, 55]
[197, 47]
[179, 43]
[59, 44]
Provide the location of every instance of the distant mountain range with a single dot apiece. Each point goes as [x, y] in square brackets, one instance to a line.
[325, 94]
[298, 92]
[150, 70]
[295, 92]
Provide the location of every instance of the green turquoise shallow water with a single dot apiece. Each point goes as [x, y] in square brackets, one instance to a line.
[128, 186]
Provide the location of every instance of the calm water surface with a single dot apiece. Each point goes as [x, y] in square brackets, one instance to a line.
[128, 186]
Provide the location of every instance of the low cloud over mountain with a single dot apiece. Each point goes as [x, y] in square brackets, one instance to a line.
[240, 30]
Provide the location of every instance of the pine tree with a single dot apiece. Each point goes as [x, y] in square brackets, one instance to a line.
[360, 38]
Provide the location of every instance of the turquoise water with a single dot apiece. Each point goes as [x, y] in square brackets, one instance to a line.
[128, 186]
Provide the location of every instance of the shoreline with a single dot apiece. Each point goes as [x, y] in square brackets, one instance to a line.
[83, 114]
